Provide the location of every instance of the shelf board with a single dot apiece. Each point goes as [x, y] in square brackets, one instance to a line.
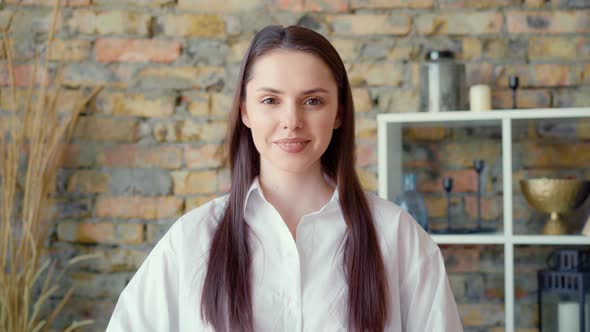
[489, 238]
[544, 113]
[551, 239]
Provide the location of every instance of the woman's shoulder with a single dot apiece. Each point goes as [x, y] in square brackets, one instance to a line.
[197, 226]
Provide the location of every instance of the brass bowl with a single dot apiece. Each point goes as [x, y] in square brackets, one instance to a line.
[555, 196]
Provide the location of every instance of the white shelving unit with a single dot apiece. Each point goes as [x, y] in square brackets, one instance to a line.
[390, 172]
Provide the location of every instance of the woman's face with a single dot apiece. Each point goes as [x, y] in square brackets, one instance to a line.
[291, 108]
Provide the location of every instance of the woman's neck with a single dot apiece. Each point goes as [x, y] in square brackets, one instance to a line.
[293, 194]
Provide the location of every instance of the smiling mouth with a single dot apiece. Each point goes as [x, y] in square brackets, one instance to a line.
[292, 147]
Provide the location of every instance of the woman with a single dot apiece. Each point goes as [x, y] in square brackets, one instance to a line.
[296, 245]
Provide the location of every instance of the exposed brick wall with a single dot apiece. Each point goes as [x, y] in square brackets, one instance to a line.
[145, 152]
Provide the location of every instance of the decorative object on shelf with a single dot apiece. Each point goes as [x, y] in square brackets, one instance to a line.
[586, 229]
[411, 200]
[513, 84]
[448, 186]
[564, 292]
[479, 165]
[442, 83]
[555, 196]
[480, 98]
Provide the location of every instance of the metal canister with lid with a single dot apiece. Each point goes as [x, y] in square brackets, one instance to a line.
[442, 83]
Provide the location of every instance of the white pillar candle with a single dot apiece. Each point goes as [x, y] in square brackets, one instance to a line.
[568, 316]
[480, 98]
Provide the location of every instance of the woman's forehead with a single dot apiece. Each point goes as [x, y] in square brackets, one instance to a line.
[291, 70]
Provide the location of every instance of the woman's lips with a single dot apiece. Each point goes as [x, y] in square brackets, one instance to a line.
[292, 146]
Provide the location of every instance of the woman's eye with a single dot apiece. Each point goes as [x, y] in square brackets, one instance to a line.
[313, 101]
[269, 101]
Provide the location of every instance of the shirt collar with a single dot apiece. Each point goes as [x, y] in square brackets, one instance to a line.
[255, 187]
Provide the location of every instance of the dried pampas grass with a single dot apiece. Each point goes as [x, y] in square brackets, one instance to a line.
[33, 136]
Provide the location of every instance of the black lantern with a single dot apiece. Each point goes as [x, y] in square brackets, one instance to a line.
[564, 292]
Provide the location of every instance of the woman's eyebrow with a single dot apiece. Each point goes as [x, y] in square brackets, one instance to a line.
[306, 92]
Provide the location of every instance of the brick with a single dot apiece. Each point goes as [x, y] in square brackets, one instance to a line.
[326, 5]
[140, 181]
[98, 74]
[568, 48]
[221, 105]
[166, 131]
[379, 73]
[288, 5]
[155, 232]
[366, 154]
[198, 103]
[570, 3]
[109, 22]
[548, 22]
[476, 315]
[195, 202]
[237, 51]
[367, 179]
[540, 75]
[579, 97]
[220, 7]
[66, 3]
[425, 133]
[89, 285]
[88, 181]
[479, 73]
[463, 181]
[69, 50]
[200, 182]
[136, 50]
[471, 48]
[131, 207]
[586, 73]
[180, 77]
[364, 24]
[136, 3]
[419, 4]
[461, 259]
[102, 232]
[135, 104]
[459, 23]
[529, 98]
[491, 208]
[78, 155]
[556, 155]
[66, 100]
[213, 131]
[398, 101]
[463, 154]
[186, 25]
[23, 74]
[362, 100]
[365, 127]
[136, 155]
[204, 156]
[106, 129]
[485, 4]
[346, 48]
[437, 205]
[113, 259]
[534, 3]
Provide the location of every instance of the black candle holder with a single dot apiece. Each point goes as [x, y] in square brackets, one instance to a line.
[479, 165]
[513, 84]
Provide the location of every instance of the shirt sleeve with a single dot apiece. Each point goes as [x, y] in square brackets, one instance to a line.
[427, 299]
[150, 301]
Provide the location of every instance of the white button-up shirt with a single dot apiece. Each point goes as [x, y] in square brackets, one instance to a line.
[298, 284]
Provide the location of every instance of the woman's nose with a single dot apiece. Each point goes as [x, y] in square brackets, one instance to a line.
[291, 117]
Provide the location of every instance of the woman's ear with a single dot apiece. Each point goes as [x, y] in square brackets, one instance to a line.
[244, 116]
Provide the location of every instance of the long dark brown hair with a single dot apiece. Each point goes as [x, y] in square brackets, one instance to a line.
[227, 290]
